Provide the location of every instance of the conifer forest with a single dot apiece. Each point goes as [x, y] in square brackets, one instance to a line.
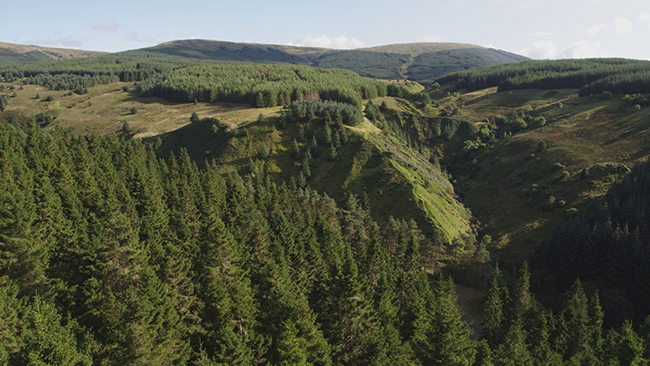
[297, 215]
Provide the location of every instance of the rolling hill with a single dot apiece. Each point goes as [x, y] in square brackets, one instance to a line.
[417, 61]
[14, 54]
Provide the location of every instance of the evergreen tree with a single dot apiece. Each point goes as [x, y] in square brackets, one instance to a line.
[494, 319]
[46, 340]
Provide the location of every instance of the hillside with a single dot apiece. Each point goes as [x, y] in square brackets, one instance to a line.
[391, 174]
[416, 49]
[16, 54]
[417, 61]
[231, 51]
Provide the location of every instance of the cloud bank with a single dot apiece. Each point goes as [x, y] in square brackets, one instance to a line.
[619, 26]
[342, 42]
[105, 26]
[549, 50]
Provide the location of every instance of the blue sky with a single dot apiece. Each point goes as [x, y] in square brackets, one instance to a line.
[536, 28]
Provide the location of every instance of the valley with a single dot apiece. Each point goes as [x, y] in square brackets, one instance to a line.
[264, 210]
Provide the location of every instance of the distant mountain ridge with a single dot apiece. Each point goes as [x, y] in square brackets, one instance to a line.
[421, 62]
[14, 53]
[416, 61]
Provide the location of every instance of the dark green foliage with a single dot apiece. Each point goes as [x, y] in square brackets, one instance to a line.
[194, 117]
[428, 66]
[381, 65]
[399, 91]
[112, 256]
[266, 85]
[373, 113]
[124, 258]
[3, 102]
[300, 111]
[604, 245]
[591, 76]
[46, 341]
[69, 81]
[134, 110]
[126, 128]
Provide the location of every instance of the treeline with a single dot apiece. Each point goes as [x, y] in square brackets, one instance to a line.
[267, 85]
[125, 66]
[591, 76]
[328, 111]
[80, 74]
[70, 82]
[382, 65]
[431, 65]
[606, 246]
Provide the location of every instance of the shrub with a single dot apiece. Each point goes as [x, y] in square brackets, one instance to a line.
[557, 166]
[562, 177]
[537, 122]
[134, 110]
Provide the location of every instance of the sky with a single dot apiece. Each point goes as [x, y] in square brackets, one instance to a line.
[539, 29]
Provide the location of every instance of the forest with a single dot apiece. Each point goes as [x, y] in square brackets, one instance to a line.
[111, 255]
[124, 250]
[267, 85]
[591, 76]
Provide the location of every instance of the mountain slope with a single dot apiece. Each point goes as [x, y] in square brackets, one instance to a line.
[418, 61]
[15, 54]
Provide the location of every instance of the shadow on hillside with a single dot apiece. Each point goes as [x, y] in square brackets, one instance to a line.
[200, 140]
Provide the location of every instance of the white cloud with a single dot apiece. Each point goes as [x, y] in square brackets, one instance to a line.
[65, 42]
[581, 49]
[430, 38]
[541, 34]
[249, 30]
[549, 50]
[644, 17]
[540, 50]
[105, 26]
[132, 36]
[619, 26]
[341, 42]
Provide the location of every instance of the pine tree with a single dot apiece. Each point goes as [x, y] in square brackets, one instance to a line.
[292, 349]
[513, 350]
[576, 315]
[494, 320]
[10, 306]
[46, 341]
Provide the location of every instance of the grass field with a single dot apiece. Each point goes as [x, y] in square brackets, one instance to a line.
[106, 107]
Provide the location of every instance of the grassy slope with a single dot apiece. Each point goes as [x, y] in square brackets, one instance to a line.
[510, 195]
[398, 182]
[416, 49]
[105, 108]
